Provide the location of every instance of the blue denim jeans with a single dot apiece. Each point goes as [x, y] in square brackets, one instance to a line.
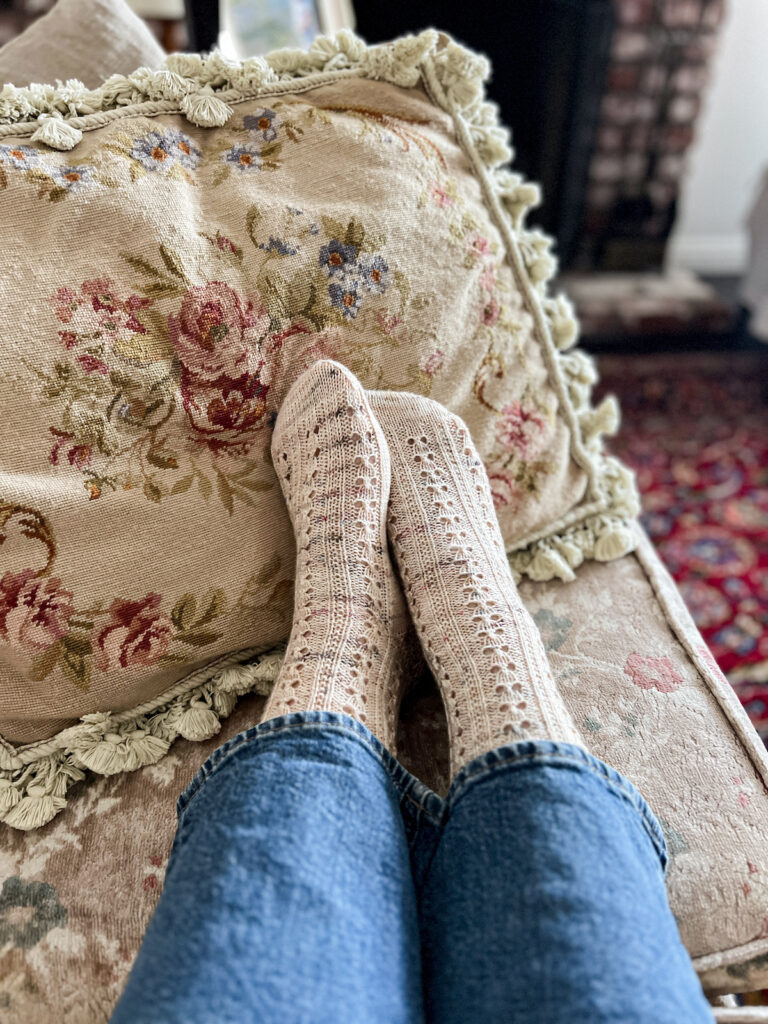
[313, 879]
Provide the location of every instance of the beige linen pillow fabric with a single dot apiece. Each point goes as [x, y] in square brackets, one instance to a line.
[87, 40]
[178, 245]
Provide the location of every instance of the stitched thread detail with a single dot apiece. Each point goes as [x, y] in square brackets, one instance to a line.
[402, 779]
[479, 771]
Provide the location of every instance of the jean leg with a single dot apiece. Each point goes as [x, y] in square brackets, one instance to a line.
[545, 900]
[289, 896]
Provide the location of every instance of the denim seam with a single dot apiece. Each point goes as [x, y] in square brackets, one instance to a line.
[395, 771]
[482, 772]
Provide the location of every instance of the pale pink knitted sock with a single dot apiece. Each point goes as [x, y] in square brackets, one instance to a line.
[349, 617]
[479, 640]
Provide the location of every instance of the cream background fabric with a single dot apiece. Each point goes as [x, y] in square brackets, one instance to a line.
[84, 39]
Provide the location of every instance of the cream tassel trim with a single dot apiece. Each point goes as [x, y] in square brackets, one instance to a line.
[34, 779]
[56, 133]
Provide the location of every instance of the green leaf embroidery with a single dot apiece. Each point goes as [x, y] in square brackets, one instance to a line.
[220, 176]
[183, 614]
[225, 492]
[152, 491]
[257, 485]
[199, 639]
[44, 663]
[75, 661]
[183, 485]
[156, 458]
[205, 486]
[173, 262]
[215, 604]
[268, 571]
[355, 234]
[251, 220]
[138, 263]
[333, 228]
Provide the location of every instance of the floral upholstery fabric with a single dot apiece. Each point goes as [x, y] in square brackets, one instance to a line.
[75, 896]
[163, 283]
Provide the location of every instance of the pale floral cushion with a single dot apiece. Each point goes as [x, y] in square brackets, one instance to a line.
[83, 39]
[75, 896]
[197, 236]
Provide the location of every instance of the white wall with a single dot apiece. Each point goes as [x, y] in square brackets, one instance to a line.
[730, 154]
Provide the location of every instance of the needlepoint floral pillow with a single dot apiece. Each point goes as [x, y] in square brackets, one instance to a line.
[177, 246]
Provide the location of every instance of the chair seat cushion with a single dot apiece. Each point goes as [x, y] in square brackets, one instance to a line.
[76, 895]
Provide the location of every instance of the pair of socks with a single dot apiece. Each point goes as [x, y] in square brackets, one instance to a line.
[358, 468]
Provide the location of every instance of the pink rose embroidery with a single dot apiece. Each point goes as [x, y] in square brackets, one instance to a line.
[441, 196]
[136, 634]
[93, 365]
[488, 279]
[520, 429]
[98, 312]
[220, 342]
[479, 246]
[388, 323]
[79, 455]
[215, 336]
[652, 673]
[115, 311]
[491, 312]
[66, 303]
[223, 416]
[433, 362]
[504, 490]
[34, 612]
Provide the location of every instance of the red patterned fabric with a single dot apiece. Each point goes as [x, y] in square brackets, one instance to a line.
[695, 429]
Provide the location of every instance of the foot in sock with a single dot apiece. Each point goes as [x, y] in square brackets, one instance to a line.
[479, 640]
[333, 465]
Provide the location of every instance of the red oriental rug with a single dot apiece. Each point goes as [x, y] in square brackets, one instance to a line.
[695, 430]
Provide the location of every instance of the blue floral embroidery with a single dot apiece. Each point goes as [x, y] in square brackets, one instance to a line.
[47, 912]
[163, 149]
[553, 628]
[73, 179]
[375, 275]
[245, 157]
[337, 258]
[279, 246]
[183, 149]
[20, 157]
[346, 298]
[264, 123]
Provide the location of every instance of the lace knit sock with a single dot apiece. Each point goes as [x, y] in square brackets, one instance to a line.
[349, 617]
[479, 640]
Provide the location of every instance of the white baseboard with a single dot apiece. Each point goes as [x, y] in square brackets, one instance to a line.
[709, 254]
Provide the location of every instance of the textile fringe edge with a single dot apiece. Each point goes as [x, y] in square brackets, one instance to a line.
[34, 780]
